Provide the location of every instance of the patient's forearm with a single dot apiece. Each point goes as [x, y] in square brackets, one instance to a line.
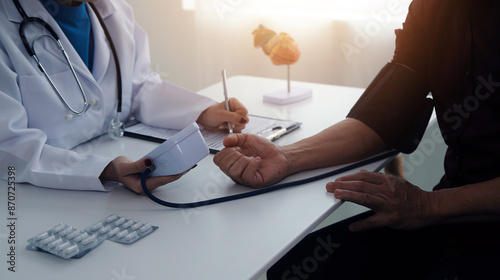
[347, 141]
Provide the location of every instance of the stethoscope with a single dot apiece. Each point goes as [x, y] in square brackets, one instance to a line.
[115, 128]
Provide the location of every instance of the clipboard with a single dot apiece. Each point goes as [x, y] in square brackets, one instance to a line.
[269, 128]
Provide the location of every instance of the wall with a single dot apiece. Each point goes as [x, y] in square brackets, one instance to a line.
[172, 40]
[190, 47]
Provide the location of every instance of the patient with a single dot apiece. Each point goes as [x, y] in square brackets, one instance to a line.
[450, 49]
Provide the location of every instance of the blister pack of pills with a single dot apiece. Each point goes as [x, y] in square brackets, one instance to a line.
[64, 241]
[120, 229]
[67, 242]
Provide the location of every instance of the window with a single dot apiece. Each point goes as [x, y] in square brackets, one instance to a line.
[335, 9]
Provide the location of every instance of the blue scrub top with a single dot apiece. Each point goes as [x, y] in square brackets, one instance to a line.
[75, 23]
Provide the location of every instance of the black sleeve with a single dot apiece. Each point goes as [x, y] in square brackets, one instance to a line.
[395, 105]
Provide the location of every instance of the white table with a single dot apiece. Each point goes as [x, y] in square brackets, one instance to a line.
[234, 240]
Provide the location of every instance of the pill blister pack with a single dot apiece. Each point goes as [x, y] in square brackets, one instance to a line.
[64, 241]
[67, 242]
[120, 229]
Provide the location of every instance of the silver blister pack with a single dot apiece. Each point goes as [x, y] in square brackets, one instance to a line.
[121, 229]
[64, 241]
[67, 242]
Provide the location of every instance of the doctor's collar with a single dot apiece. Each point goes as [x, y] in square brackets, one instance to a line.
[65, 13]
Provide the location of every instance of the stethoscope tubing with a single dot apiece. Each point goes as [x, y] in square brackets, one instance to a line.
[31, 51]
[86, 104]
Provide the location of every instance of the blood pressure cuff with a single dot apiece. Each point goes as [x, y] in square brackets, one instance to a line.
[395, 105]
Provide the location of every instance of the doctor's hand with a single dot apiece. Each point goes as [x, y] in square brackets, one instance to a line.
[128, 172]
[217, 117]
[252, 160]
[396, 202]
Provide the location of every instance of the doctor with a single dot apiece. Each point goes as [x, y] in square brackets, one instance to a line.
[42, 117]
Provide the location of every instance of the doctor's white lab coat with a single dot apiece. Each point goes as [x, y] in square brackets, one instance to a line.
[34, 135]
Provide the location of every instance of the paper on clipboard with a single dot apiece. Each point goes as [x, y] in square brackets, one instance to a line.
[266, 127]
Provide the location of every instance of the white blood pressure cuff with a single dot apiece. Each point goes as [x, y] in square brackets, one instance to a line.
[395, 105]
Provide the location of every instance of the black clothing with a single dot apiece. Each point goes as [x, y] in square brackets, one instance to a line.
[454, 49]
[466, 251]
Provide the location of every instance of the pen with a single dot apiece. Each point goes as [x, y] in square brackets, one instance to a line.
[226, 99]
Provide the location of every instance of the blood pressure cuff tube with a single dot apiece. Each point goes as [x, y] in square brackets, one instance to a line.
[395, 105]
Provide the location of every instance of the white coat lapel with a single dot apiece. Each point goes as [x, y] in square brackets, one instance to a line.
[102, 52]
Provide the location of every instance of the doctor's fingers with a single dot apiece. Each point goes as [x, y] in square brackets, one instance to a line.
[128, 167]
[235, 118]
[236, 106]
[237, 128]
[134, 183]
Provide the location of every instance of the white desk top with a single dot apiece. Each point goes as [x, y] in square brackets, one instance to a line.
[233, 240]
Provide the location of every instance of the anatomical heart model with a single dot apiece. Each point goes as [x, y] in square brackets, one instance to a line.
[282, 50]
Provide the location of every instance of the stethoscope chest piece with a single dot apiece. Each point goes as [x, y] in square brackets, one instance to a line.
[115, 128]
